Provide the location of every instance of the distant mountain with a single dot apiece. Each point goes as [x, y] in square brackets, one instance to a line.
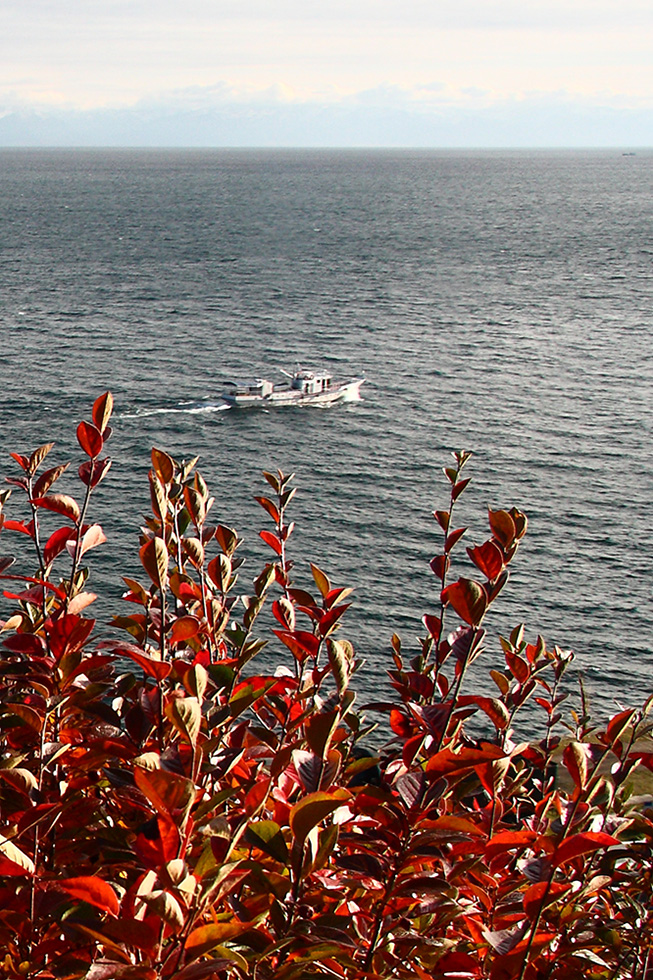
[354, 122]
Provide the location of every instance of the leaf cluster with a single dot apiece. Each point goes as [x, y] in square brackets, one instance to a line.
[168, 810]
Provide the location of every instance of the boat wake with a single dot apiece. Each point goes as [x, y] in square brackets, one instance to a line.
[190, 409]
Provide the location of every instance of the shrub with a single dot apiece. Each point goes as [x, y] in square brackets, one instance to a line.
[168, 811]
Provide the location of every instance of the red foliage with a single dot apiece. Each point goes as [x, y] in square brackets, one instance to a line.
[169, 812]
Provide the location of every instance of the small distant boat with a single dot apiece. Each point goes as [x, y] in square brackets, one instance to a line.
[302, 388]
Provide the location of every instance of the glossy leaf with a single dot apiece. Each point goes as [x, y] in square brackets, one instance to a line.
[502, 527]
[205, 938]
[321, 580]
[90, 439]
[272, 540]
[312, 810]
[48, 478]
[542, 894]
[60, 503]
[93, 890]
[91, 538]
[267, 835]
[468, 598]
[93, 471]
[22, 863]
[186, 716]
[580, 844]
[154, 558]
[102, 410]
[488, 558]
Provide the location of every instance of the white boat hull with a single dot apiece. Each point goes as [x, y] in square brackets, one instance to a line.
[345, 391]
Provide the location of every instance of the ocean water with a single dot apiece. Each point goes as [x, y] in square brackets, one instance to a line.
[497, 301]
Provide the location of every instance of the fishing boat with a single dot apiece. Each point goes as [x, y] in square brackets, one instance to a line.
[302, 388]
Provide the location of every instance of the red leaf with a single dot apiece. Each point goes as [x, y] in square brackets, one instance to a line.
[102, 409]
[519, 668]
[321, 580]
[399, 723]
[488, 558]
[443, 517]
[44, 482]
[579, 844]
[159, 669]
[335, 596]
[93, 890]
[170, 794]
[271, 508]
[440, 566]
[158, 841]
[330, 618]
[493, 708]
[21, 460]
[312, 809]
[60, 503]
[20, 527]
[272, 540]
[468, 598]
[507, 840]
[56, 543]
[576, 757]
[502, 527]
[92, 537]
[618, 724]
[538, 896]
[453, 538]
[30, 644]
[90, 439]
[300, 643]
[458, 965]
[68, 634]
[433, 625]
[446, 761]
[18, 481]
[185, 628]
[458, 488]
[93, 471]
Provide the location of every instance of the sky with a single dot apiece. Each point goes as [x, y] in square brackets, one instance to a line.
[377, 71]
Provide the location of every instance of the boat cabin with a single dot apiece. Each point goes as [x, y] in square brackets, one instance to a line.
[260, 388]
[311, 383]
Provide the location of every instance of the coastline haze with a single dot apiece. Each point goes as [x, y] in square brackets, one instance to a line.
[380, 74]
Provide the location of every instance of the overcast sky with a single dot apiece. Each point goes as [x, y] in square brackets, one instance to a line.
[423, 56]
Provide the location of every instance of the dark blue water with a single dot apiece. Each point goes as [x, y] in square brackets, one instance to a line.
[495, 301]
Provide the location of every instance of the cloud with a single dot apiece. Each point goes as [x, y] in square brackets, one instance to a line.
[89, 54]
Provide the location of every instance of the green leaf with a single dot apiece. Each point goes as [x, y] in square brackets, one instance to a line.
[154, 558]
[341, 656]
[205, 938]
[312, 810]
[319, 730]
[267, 836]
[186, 716]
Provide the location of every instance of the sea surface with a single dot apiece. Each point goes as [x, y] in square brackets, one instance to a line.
[498, 302]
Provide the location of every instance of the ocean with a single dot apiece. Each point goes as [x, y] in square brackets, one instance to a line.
[495, 301]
